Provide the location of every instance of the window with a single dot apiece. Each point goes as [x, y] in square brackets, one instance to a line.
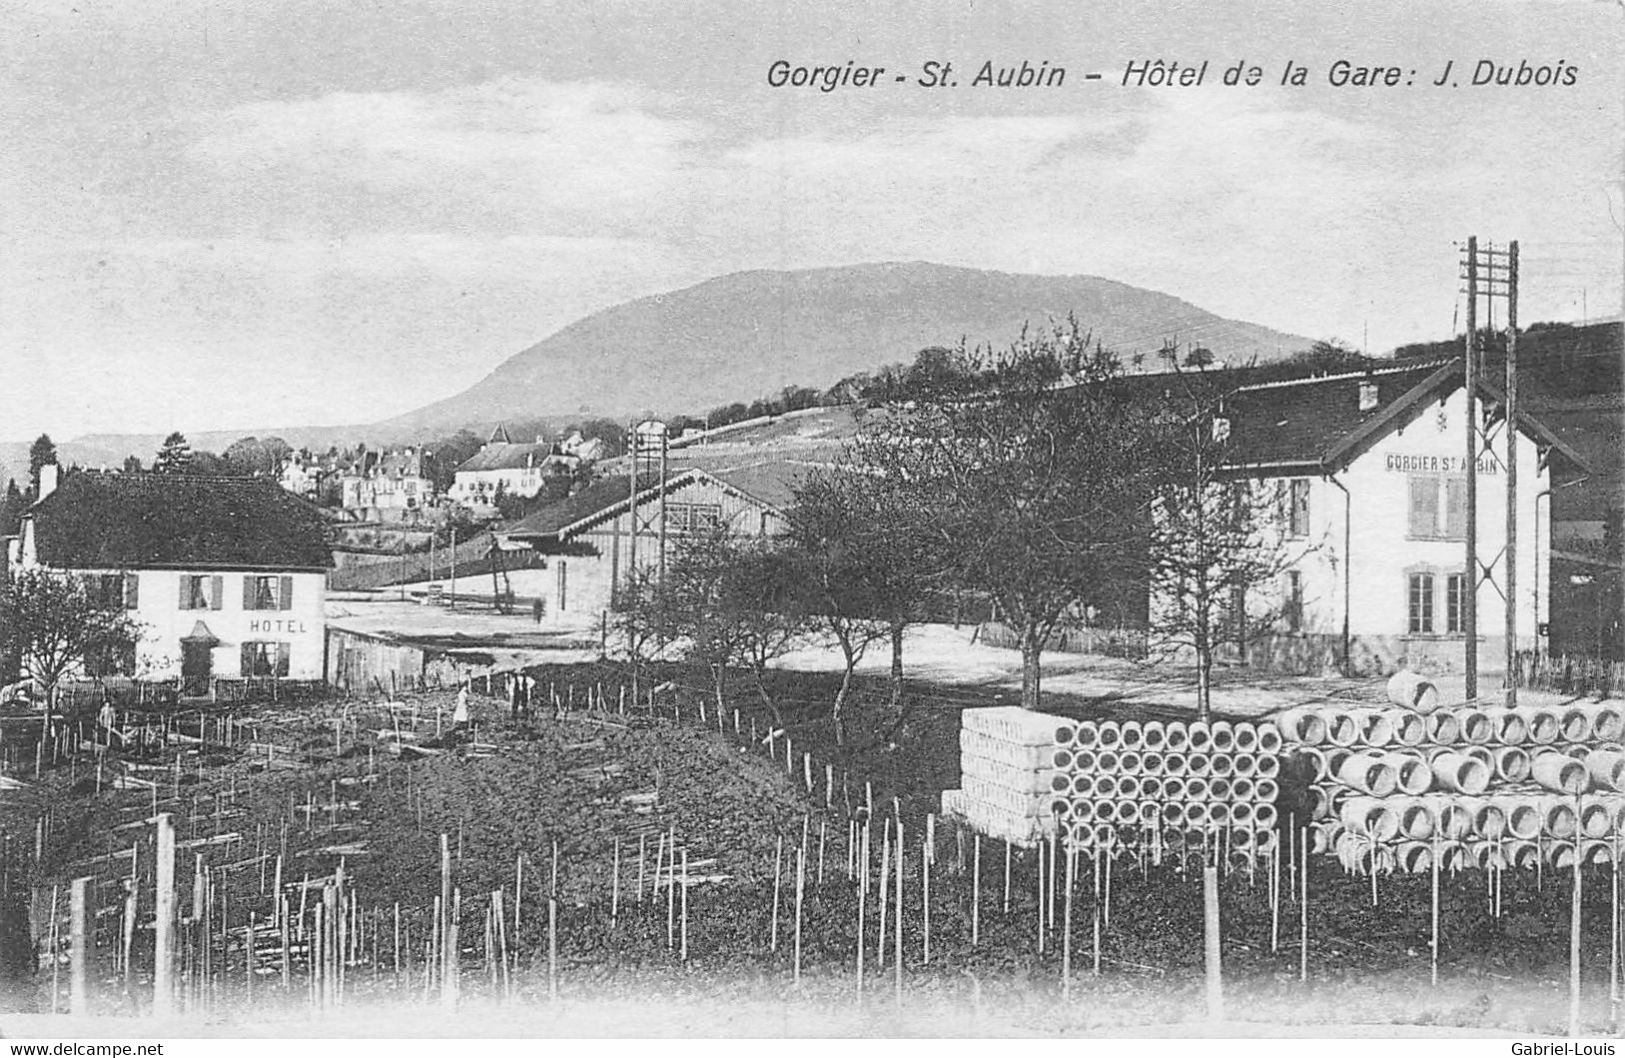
[564, 585]
[1297, 512]
[692, 517]
[1421, 603]
[1454, 602]
[112, 591]
[1438, 507]
[267, 593]
[200, 592]
[1292, 604]
[265, 659]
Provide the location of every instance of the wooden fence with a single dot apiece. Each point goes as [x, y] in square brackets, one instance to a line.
[1571, 674]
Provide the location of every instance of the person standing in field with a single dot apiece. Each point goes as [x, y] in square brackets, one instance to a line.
[459, 716]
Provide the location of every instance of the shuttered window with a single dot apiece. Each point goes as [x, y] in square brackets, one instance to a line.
[1298, 507]
[1455, 508]
[1420, 603]
[1424, 507]
[267, 593]
[262, 658]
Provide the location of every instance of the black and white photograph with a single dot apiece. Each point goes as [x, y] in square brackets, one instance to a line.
[787, 520]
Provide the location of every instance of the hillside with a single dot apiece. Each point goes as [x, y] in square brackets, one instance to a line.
[752, 333]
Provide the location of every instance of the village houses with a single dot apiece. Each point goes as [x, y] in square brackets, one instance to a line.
[503, 466]
[226, 576]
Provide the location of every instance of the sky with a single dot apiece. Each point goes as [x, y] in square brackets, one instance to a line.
[242, 213]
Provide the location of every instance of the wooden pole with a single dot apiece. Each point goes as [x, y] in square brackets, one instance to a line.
[773, 925]
[1303, 908]
[885, 884]
[79, 946]
[1211, 956]
[1433, 944]
[683, 950]
[1066, 924]
[976, 892]
[553, 949]
[1574, 942]
[897, 927]
[1094, 863]
[801, 886]
[164, 919]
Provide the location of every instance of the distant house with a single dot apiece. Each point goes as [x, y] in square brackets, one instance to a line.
[390, 481]
[516, 469]
[227, 575]
[588, 538]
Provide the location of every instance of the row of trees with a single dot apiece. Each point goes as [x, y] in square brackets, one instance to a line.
[1038, 477]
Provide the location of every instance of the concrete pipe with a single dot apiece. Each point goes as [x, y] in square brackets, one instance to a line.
[1485, 755]
[1489, 821]
[1201, 737]
[1222, 764]
[1173, 788]
[1154, 735]
[1452, 820]
[1269, 738]
[1126, 812]
[1066, 733]
[1344, 728]
[1302, 725]
[1574, 725]
[1151, 762]
[1196, 788]
[1083, 811]
[1129, 762]
[1596, 818]
[1241, 814]
[1081, 835]
[1266, 840]
[1413, 857]
[1195, 813]
[1371, 817]
[1367, 775]
[1476, 728]
[1218, 813]
[1410, 729]
[1132, 735]
[1412, 774]
[1521, 855]
[1151, 787]
[1062, 783]
[1061, 759]
[1596, 853]
[1607, 724]
[1176, 737]
[1241, 789]
[1557, 817]
[1084, 760]
[1452, 856]
[1310, 759]
[1460, 773]
[1175, 764]
[1324, 839]
[1246, 736]
[1108, 761]
[1128, 787]
[1520, 816]
[1511, 763]
[1559, 773]
[1106, 836]
[1443, 728]
[1269, 766]
[1321, 804]
[1218, 789]
[1481, 855]
[1148, 813]
[1086, 734]
[1544, 726]
[1415, 820]
[1110, 734]
[1244, 765]
[1560, 854]
[1360, 856]
[1508, 728]
[1413, 691]
[1173, 813]
[1105, 788]
[1376, 729]
[1173, 838]
[1222, 736]
[1606, 768]
[1199, 764]
[1265, 790]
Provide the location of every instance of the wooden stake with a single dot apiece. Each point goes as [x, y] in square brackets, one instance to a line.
[1303, 909]
[897, 927]
[1094, 863]
[164, 919]
[773, 926]
[801, 886]
[1006, 876]
[1574, 937]
[552, 949]
[1433, 943]
[1066, 925]
[683, 951]
[976, 892]
[79, 947]
[1211, 957]
[615, 886]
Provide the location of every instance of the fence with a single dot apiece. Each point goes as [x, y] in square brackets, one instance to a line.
[1571, 674]
[1110, 642]
[81, 695]
[418, 566]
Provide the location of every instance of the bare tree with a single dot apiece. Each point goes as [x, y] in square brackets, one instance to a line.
[640, 621]
[1028, 473]
[53, 623]
[1215, 538]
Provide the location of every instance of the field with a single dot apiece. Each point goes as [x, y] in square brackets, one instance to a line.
[602, 789]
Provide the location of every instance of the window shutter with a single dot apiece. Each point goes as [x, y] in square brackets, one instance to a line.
[1424, 507]
[283, 652]
[1455, 508]
[1300, 506]
[248, 659]
[216, 583]
[284, 596]
[248, 591]
[132, 591]
[186, 591]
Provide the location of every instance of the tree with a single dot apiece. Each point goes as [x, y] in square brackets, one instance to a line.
[11, 509]
[174, 456]
[132, 464]
[639, 621]
[250, 455]
[41, 453]
[1214, 539]
[1028, 473]
[51, 621]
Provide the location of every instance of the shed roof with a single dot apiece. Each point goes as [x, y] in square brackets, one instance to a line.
[146, 520]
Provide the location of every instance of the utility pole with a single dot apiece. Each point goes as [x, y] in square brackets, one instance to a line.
[1512, 476]
[1469, 585]
[632, 507]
